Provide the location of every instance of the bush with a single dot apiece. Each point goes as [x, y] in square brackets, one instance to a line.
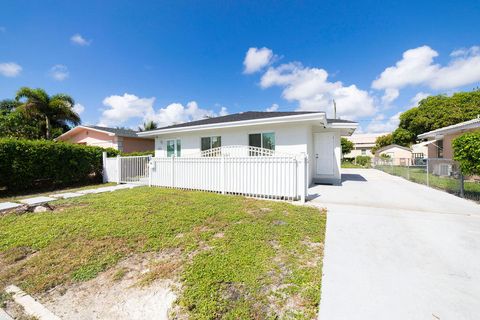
[139, 153]
[466, 150]
[363, 161]
[27, 164]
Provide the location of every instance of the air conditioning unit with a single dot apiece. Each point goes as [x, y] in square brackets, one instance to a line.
[443, 170]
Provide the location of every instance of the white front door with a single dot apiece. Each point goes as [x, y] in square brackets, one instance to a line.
[324, 153]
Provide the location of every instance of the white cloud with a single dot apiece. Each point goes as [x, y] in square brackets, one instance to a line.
[10, 69]
[59, 72]
[256, 59]
[79, 40]
[419, 96]
[417, 68]
[313, 92]
[78, 108]
[223, 111]
[390, 95]
[382, 124]
[121, 109]
[273, 107]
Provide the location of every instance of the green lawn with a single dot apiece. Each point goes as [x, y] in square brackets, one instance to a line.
[452, 185]
[236, 258]
[348, 164]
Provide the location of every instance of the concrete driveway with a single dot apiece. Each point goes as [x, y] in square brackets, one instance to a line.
[398, 250]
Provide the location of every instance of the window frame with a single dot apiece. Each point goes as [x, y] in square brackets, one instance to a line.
[177, 147]
[219, 138]
[261, 133]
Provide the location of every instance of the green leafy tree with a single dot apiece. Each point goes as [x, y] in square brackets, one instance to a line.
[439, 111]
[466, 150]
[56, 111]
[403, 137]
[382, 141]
[15, 124]
[347, 145]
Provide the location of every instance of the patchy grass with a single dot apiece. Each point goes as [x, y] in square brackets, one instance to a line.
[30, 194]
[348, 164]
[236, 258]
[448, 184]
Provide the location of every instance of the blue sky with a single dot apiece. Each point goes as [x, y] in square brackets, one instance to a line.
[129, 61]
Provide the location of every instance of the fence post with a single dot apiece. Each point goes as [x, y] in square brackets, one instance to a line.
[222, 169]
[462, 186]
[408, 169]
[150, 171]
[428, 174]
[104, 163]
[172, 164]
[119, 169]
[302, 178]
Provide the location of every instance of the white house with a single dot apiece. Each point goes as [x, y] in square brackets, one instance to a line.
[293, 133]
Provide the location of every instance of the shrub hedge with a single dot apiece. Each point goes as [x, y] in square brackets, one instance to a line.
[466, 150]
[364, 161]
[138, 153]
[27, 164]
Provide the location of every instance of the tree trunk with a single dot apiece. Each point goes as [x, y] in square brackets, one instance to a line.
[47, 127]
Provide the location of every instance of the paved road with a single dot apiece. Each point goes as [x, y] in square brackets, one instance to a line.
[398, 250]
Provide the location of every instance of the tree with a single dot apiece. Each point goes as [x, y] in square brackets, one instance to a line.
[439, 111]
[149, 125]
[56, 111]
[466, 150]
[382, 141]
[347, 145]
[14, 124]
[402, 137]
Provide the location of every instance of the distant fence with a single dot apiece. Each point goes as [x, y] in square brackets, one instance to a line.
[437, 173]
[242, 170]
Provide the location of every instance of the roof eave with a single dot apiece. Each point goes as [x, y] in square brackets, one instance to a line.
[320, 116]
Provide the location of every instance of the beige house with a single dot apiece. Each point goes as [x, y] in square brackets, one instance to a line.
[363, 144]
[440, 140]
[124, 140]
[401, 156]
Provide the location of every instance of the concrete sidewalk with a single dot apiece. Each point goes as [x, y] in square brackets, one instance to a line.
[4, 206]
[398, 250]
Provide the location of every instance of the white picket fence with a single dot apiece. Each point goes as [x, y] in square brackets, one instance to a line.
[241, 170]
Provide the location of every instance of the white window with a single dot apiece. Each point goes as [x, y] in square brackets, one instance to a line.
[208, 143]
[262, 140]
[364, 152]
[174, 148]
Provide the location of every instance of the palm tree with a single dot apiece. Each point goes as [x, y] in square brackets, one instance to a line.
[149, 125]
[57, 110]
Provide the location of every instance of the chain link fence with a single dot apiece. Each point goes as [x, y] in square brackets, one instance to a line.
[443, 174]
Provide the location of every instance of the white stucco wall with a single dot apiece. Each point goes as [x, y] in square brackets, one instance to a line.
[289, 138]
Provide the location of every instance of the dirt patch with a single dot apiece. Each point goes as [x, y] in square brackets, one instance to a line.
[115, 294]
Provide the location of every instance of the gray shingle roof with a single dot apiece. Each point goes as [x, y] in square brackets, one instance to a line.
[242, 116]
[339, 121]
[121, 132]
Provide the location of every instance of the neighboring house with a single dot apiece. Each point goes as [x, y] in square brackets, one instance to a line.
[121, 139]
[420, 150]
[440, 140]
[310, 133]
[400, 156]
[363, 144]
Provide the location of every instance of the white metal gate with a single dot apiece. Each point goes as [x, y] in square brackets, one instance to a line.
[126, 169]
